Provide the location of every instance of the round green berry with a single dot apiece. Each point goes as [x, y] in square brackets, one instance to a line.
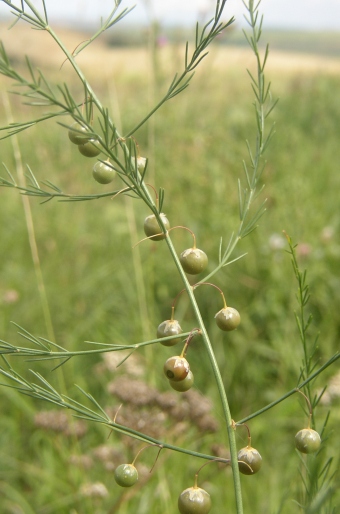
[167, 328]
[103, 173]
[193, 261]
[90, 149]
[307, 440]
[228, 319]
[152, 229]
[78, 134]
[176, 368]
[183, 385]
[194, 500]
[252, 460]
[141, 162]
[126, 475]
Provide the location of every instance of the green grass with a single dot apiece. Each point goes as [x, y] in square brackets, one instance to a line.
[95, 290]
[321, 43]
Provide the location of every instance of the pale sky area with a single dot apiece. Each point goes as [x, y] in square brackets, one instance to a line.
[287, 14]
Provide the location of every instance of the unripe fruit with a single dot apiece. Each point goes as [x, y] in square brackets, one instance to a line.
[126, 475]
[151, 227]
[76, 137]
[194, 500]
[183, 385]
[251, 457]
[90, 149]
[193, 261]
[103, 173]
[167, 328]
[176, 368]
[228, 319]
[141, 161]
[307, 440]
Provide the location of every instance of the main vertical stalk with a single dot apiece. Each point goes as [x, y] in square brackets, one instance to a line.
[218, 379]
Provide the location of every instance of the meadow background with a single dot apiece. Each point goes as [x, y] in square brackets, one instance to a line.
[100, 289]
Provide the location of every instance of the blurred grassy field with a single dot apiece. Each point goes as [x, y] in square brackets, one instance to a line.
[100, 289]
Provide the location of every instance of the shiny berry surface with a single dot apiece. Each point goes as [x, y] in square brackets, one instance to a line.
[78, 138]
[252, 460]
[89, 149]
[193, 261]
[103, 173]
[176, 368]
[183, 385]
[169, 328]
[151, 227]
[228, 319]
[126, 475]
[307, 440]
[194, 500]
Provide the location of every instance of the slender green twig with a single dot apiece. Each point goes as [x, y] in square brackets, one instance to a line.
[303, 324]
[263, 106]
[107, 24]
[316, 491]
[301, 385]
[39, 92]
[33, 188]
[47, 392]
[217, 376]
[44, 351]
[177, 85]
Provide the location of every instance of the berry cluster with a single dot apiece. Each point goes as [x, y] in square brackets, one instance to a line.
[193, 500]
[177, 370]
[103, 172]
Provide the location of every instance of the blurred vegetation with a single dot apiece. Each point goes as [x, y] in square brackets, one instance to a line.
[100, 289]
[326, 43]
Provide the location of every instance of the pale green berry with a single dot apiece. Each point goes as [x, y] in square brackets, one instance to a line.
[90, 149]
[252, 460]
[183, 385]
[152, 229]
[167, 328]
[103, 173]
[194, 500]
[78, 134]
[193, 261]
[126, 475]
[228, 319]
[307, 440]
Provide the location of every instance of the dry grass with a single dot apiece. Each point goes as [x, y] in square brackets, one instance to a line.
[106, 60]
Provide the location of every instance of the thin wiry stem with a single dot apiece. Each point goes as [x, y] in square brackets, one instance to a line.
[40, 93]
[48, 393]
[43, 347]
[263, 105]
[301, 385]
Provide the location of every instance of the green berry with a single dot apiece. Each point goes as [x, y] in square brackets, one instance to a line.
[307, 440]
[78, 134]
[176, 368]
[103, 173]
[151, 227]
[228, 319]
[126, 475]
[141, 162]
[90, 149]
[193, 261]
[167, 328]
[183, 385]
[252, 460]
[194, 500]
